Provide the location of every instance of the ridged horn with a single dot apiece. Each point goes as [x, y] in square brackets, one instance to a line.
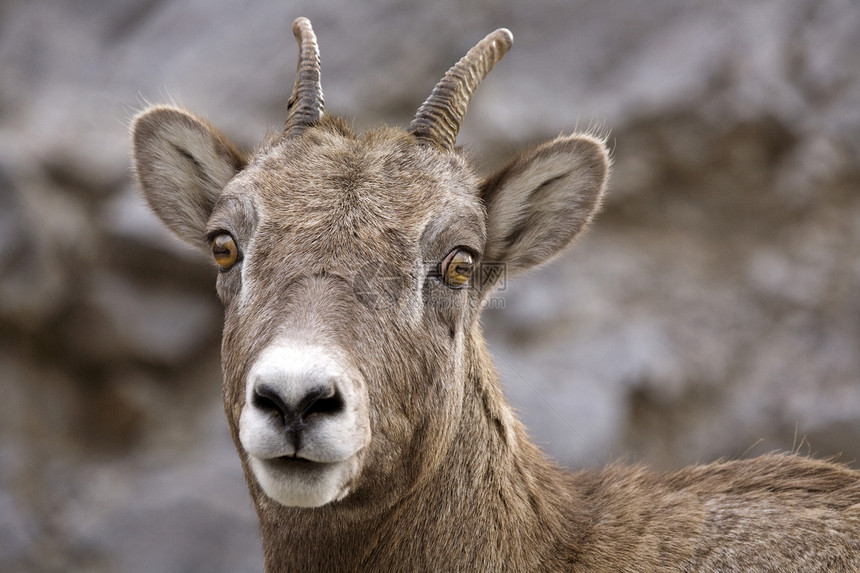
[305, 106]
[438, 119]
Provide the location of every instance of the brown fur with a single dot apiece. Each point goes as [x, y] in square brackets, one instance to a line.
[450, 480]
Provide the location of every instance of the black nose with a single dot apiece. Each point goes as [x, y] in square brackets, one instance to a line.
[293, 415]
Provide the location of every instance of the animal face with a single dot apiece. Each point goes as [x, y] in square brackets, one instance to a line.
[350, 268]
[335, 305]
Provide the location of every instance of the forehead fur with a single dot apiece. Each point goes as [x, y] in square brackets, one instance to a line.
[344, 196]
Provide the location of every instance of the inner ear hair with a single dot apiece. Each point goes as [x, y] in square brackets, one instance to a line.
[543, 199]
[182, 163]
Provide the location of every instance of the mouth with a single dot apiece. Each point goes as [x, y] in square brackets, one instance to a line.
[296, 464]
[300, 482]
[297, 460]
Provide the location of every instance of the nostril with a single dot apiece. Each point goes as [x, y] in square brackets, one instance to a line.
[321, 401]
[269, 400]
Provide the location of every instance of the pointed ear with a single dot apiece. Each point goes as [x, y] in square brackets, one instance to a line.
[182, 164]
[543, 199]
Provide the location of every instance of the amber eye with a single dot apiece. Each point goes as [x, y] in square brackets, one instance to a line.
[456, 269]
[224, 250]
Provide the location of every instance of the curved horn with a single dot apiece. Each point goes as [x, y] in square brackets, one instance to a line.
[438, 119]
[306, 104]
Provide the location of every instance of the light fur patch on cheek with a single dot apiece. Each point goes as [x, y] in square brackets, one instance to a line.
[248, 282]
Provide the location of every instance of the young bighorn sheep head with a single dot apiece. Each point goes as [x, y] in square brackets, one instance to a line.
[352, 271]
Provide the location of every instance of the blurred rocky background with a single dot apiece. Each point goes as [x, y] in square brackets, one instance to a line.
[713, 310]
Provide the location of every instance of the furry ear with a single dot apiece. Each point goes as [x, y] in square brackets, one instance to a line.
[543, 199]
[182, 164]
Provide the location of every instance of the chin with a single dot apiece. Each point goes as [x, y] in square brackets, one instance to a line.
[297, 482]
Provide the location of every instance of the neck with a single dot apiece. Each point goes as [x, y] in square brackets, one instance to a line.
[494, 484]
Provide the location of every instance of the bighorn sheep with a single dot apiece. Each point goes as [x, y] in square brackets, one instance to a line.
[363, 403]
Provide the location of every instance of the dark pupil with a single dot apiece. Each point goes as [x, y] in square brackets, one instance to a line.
[461, 269]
